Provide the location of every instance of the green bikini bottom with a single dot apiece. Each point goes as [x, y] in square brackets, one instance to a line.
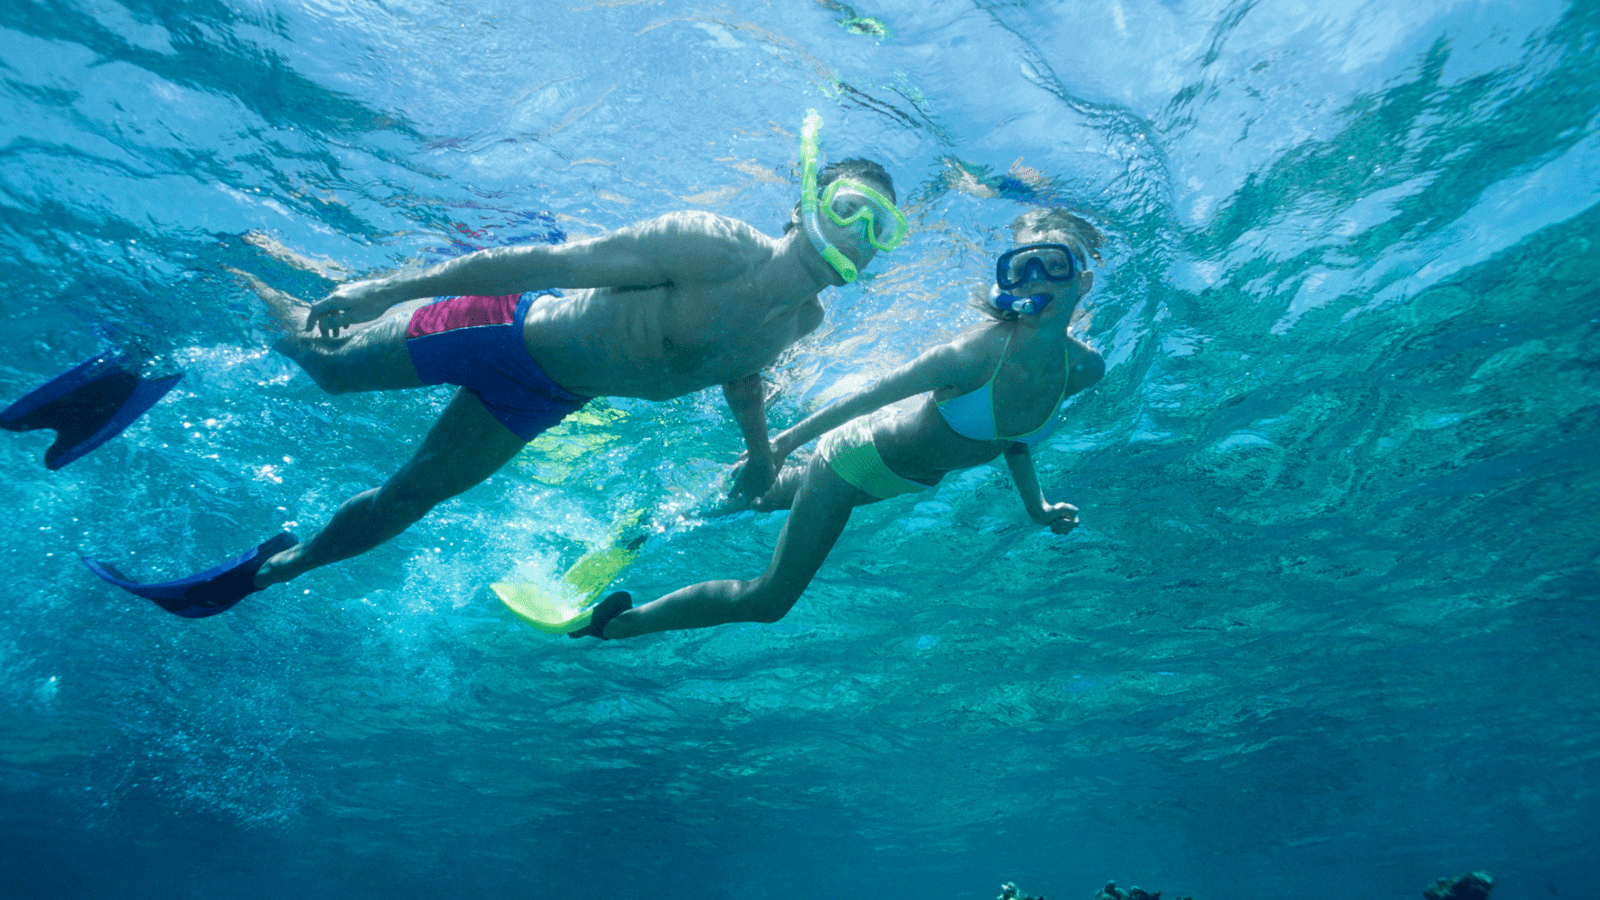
[850, 452]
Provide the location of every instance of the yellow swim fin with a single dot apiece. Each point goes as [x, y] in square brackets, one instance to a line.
[567, 605]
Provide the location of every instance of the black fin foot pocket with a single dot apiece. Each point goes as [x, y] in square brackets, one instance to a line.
[205, 593]
[604, 611]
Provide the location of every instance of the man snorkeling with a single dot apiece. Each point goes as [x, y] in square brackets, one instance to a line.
[660, 309]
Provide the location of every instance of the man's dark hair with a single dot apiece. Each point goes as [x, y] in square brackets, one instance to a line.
[856, 169]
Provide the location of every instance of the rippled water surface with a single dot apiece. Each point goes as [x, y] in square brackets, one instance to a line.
[1328, 629]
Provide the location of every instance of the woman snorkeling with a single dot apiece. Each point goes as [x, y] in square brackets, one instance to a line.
[994, 390]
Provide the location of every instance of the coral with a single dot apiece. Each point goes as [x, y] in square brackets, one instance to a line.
[1008, 891]
[1112, 892]
[1471, 886]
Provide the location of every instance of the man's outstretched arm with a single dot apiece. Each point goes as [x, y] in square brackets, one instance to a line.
[678, 248]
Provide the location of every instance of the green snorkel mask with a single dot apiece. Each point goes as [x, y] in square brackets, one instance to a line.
[850, 204]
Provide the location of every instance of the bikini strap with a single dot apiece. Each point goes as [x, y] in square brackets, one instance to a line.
[1001, 364]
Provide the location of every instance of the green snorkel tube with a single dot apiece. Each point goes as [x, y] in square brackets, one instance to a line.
[808, 200]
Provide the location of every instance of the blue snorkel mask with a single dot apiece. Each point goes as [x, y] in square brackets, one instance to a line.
[849, 204]
[1035, 262]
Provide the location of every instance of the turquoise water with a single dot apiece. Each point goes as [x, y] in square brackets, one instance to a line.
[1328, 629]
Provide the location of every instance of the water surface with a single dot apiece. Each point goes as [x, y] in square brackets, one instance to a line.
[1328, 629]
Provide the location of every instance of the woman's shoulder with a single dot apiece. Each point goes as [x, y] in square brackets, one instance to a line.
[984, 338]
[1087, 365]
[971, 356]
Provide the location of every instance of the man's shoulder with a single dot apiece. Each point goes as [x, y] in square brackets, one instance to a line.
[704, 246]
[691, 223]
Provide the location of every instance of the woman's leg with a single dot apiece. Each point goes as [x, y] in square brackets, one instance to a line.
[784, 488]
[822, 506]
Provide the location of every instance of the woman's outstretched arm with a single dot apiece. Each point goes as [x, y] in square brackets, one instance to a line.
[944, 365]
[1058, 517]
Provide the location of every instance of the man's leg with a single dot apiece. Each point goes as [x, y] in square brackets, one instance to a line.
[463, 448]
[821, 509]
[370, 357]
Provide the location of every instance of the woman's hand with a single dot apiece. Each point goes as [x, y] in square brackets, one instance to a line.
[782, 445]
[1058, 517]
[349, 304]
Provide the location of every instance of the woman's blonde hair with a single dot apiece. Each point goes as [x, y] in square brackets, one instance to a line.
[1064, 227]
[1046, 226]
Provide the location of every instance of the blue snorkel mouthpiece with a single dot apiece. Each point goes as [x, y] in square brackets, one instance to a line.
[1027, 306]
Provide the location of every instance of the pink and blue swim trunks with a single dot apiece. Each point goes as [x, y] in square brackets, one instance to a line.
[476, 342]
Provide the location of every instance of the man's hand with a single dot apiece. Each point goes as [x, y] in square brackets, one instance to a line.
[747, 399]
[1059, 517]
[752, 475]
[348, 304]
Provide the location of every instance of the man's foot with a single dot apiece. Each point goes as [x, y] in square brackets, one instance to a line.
[604, 611]
[289, 312]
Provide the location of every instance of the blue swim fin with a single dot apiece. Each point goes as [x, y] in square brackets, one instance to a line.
[206, 593]
[87, 406]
